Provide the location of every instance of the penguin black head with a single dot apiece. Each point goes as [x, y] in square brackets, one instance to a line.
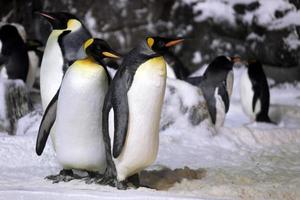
[99, 49]
[9, 33]
[160, 44]
[10, 39]
[62, 20]
[222, 63]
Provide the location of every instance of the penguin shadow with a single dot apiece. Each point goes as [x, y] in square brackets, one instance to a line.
[165, 178]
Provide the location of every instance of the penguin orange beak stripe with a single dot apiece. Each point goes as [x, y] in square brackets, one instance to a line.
[110, 55]
[173, 42]
[47, 16]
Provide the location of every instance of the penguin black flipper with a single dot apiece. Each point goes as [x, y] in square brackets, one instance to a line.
[121, 110]
[196, 81]
[256, 90]
[208, 93]
[222, 91]
[46, 125]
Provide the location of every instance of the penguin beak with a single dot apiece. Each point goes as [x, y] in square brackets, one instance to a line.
[47, 15]
[174, 42]
[111, 54]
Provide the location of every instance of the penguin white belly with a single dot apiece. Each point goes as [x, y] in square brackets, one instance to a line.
[220, 110]
[170, 72]
[229, 83]
[145, 99]
[247, 94]
[78, 136]
[51, 69]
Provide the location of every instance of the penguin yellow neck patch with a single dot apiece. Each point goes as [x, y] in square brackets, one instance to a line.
[86, 63]
[73, 24]
[88, 43]
[150, 42]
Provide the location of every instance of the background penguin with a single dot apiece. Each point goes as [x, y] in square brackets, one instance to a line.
[14, 53]
[136, 95]
[254, 92]
[216, 85]
[62, 48]
[76, 110]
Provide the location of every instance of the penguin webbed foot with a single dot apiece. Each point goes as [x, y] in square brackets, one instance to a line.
[109, 179]
[264, 118]
[63, 176]
[92, 177]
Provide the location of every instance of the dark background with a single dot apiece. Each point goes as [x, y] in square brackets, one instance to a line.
[125, 23]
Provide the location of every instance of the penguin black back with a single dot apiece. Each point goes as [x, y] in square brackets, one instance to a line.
[13, 53]
[218, 69]
[260, 88]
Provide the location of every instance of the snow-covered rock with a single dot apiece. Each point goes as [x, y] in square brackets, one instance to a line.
[14, 103]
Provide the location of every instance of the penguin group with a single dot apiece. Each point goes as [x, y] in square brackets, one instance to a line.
[80, 98]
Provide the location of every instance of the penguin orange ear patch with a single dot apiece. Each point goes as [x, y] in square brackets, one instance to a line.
[150, 42]
[88, 43]
[73, 24]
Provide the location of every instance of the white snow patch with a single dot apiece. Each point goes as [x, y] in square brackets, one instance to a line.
[291, 18]
[216, 10]
[254, 36]
[222, 11]
[197, 57]
[244, 160]
[292, 41]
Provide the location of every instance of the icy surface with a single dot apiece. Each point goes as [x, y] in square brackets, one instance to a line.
[244, 160]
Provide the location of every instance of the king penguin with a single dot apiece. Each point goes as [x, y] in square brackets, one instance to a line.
[254, 92]
[135, 96]
[14, 53]
[62, 48]
[77, 111]
[216, 85]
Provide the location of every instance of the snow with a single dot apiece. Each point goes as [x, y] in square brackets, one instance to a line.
[254, 36]
[197, 57]
[217, 10]
[244, 160]
[221, 11]
[292, 40]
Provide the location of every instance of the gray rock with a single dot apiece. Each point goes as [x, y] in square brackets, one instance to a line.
[15, 104]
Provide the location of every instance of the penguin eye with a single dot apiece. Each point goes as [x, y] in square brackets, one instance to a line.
[160, 44]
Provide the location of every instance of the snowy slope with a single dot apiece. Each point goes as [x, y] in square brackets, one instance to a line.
[243, 160]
